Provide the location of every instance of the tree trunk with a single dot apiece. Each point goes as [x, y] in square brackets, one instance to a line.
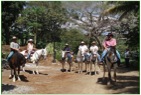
[7, 34]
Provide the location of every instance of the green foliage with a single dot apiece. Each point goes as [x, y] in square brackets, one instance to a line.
[73, 37]
[10, 12]
[44, 19]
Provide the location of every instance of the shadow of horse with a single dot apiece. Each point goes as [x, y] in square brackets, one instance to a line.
[23, 78]
[7, 87]
[30, 72]
[104, 81]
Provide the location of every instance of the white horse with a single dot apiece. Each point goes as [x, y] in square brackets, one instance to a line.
[79, 59]
[36, 56]
[110, 61]
[94, 61]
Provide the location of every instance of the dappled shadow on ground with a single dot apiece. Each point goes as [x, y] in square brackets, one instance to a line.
[125, 70]
[130, 84]
[7, 87]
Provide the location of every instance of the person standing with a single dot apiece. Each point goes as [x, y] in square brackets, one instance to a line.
[127, 57]
[14, 46]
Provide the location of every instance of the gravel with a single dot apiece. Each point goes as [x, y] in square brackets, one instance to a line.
[12, 89]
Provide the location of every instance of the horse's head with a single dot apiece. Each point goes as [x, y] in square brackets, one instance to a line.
[111, 55]
[44, 53]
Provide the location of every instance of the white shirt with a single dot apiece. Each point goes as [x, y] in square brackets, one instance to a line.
[94, 49]
[127, 54]
[83, 49]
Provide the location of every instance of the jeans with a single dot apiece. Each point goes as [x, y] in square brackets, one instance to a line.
[98, 56]
[69, 56]
[10, 55]
[28, 55]
[104, 53]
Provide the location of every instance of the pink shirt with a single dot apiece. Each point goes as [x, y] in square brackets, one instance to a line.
[108, 43]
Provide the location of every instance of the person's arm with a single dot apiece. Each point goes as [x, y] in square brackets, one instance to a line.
[104, 44]
[113, 43]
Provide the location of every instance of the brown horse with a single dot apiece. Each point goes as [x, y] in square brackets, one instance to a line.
[16, 61]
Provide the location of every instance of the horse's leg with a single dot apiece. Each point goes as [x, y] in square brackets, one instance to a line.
[10, 76]
[19, 74]
[109, 75]
[115, 73]
[96, 63]
[81, 68]
[85, 66]
[14, 76]
[91, 67]
[23, 68]
[37, 71]
[34, 68]
[78, 67]
[95, 67]
[63, 65]
[104, 69]
[70, 64]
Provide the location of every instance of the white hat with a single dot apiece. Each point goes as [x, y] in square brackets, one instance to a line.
[66, 44]
[31, 40]
[82, 42]
[14, 37]
[93, 42]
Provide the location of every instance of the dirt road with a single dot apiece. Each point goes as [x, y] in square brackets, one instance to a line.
[52, 81]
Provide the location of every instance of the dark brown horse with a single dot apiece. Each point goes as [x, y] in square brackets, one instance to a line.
[15, 62]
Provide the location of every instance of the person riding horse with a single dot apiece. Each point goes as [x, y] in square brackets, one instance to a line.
[66, 57]
[15, 59]
[83, 48]
[107, 44]
[67, 51]
[30, 48]
[14, 46]
[94, 50]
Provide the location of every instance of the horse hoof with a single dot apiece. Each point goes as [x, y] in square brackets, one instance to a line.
[10, 76]
[63, 70]
[69, 70]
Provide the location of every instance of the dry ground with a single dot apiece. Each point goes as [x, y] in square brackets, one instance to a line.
[52, 81]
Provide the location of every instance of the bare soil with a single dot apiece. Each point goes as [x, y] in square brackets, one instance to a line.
[52, 81]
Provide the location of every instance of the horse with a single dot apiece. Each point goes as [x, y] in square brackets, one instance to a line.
[15, 62]
[110, 62]
[94, 61]
[36, 57]
[65, 60]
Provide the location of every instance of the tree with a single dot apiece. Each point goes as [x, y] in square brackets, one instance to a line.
[10, 12]
[45, 20]
[131, 25]
[124, 7]
[86, 16]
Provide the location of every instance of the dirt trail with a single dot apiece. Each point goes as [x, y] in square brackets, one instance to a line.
[52, 81]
